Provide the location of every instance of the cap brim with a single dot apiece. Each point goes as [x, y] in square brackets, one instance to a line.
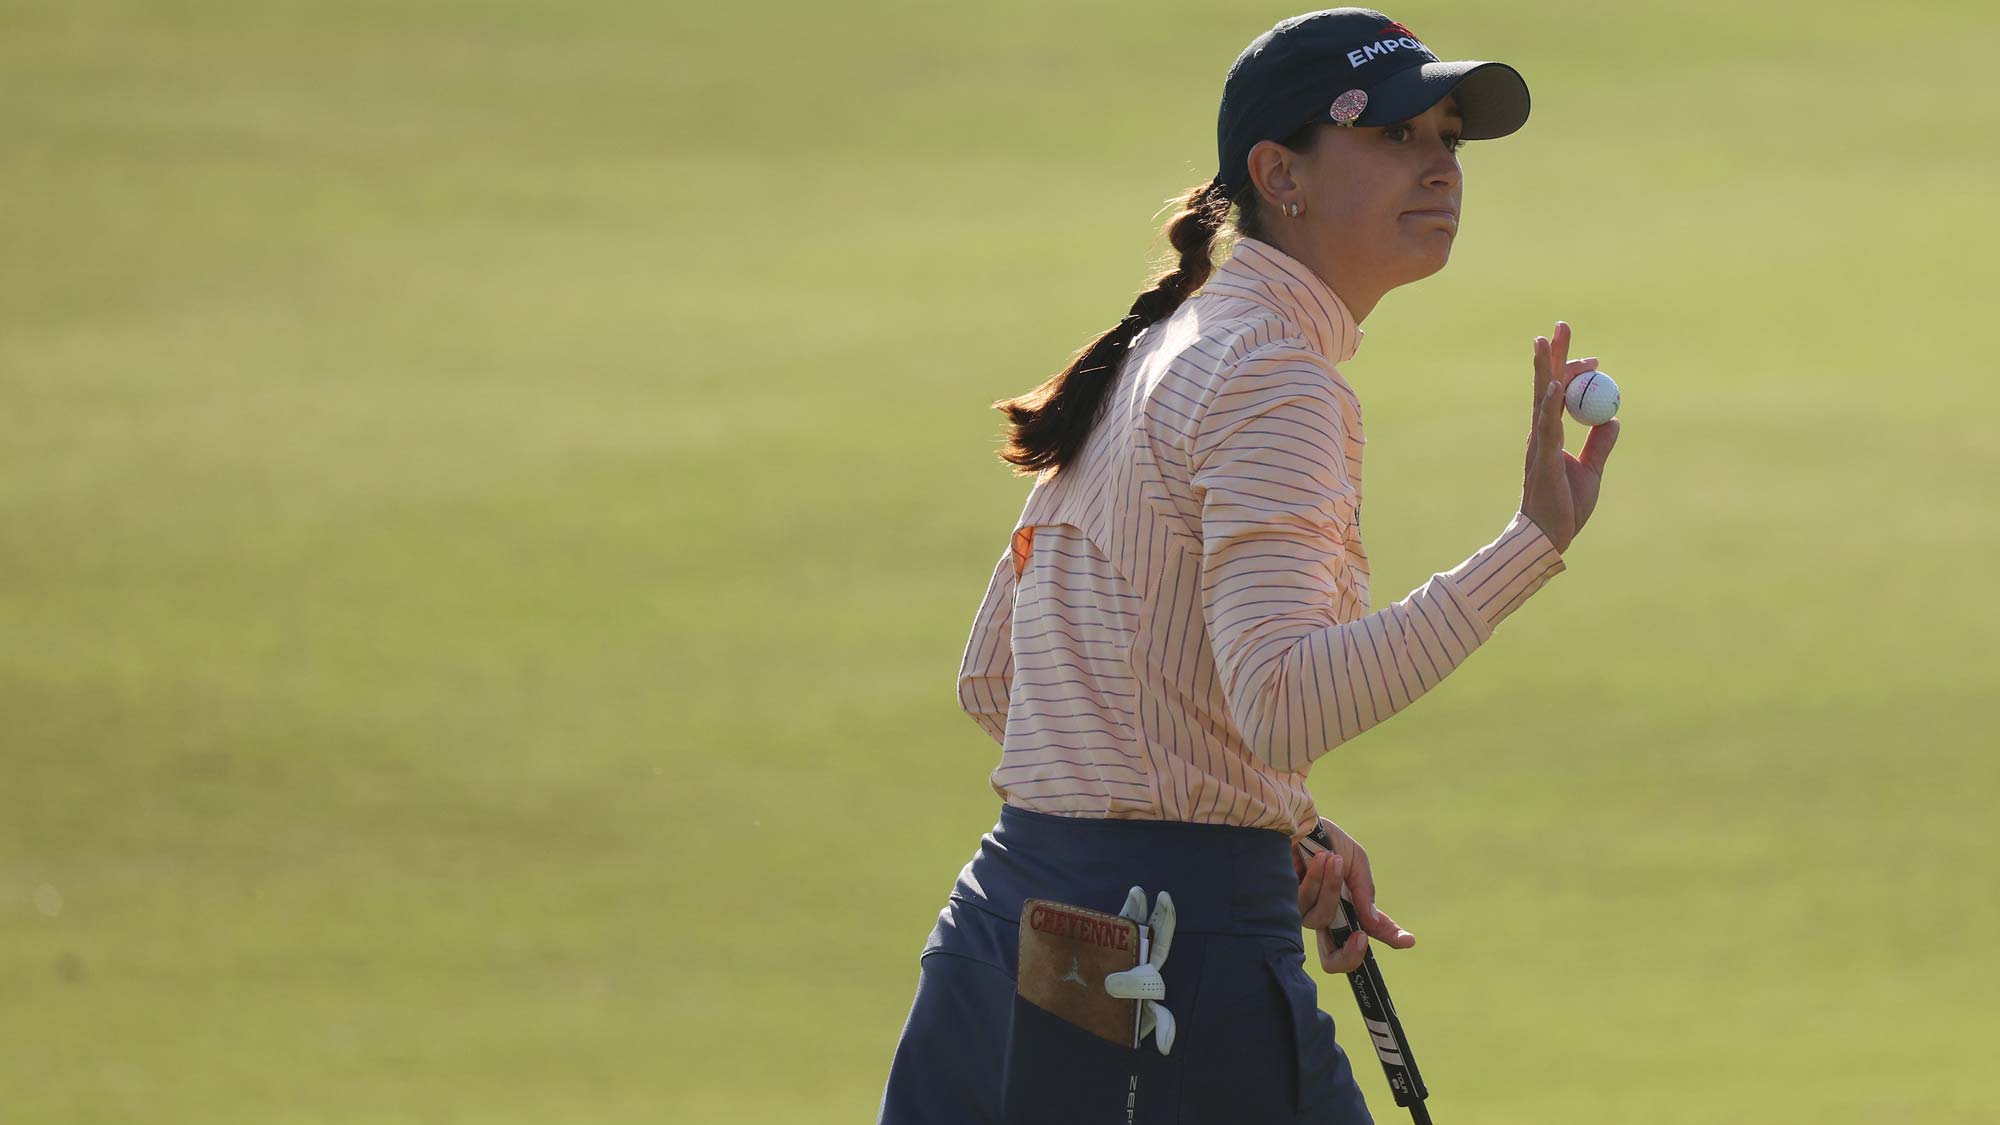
[1493, 96]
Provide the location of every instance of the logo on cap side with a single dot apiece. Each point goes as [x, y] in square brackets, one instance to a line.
[1396, 27]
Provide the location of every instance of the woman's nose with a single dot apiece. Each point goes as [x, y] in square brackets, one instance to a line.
[1444, 171]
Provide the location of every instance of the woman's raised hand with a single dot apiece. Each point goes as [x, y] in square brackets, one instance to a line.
[1559, 490]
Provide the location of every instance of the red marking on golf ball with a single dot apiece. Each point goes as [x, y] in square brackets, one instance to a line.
[1579, 397]
[1348, 106]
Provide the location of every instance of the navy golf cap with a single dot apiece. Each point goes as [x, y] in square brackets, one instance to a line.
[1351, 66]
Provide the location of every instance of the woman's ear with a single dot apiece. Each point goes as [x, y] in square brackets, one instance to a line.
[1273, 170]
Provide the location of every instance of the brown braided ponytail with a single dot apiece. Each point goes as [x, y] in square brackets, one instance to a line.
[1049, 424]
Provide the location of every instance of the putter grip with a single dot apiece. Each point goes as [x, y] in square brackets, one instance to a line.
[1371, 995]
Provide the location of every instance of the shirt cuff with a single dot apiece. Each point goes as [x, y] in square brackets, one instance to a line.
[1501, 575]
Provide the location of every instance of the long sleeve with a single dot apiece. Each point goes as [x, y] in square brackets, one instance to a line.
[1276, 500]
[986, 673]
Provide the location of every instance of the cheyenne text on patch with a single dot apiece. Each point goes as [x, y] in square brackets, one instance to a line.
[1065, 924]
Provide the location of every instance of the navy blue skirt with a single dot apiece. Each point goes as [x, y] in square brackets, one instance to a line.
[1252, 1044]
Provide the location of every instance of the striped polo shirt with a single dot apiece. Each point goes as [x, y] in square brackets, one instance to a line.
[1178, 625]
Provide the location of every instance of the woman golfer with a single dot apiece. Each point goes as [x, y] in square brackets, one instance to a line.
[1178, 626]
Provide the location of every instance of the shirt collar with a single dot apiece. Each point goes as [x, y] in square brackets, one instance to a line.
[1260, 272]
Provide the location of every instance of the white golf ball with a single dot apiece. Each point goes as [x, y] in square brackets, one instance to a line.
[1592, 398]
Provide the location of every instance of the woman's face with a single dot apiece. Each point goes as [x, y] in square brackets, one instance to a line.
[1380, 204]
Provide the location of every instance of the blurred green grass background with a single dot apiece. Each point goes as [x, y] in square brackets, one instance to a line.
[492, 495]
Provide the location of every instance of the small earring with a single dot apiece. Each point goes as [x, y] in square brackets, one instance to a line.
[1292, 209]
